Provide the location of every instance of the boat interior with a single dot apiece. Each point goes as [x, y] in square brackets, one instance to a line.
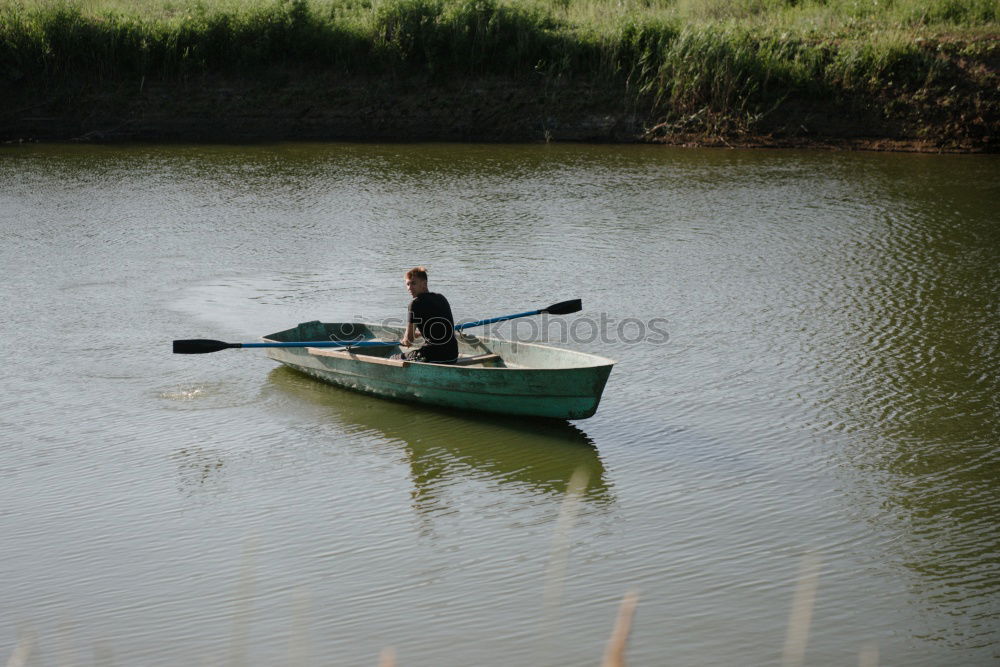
[472, 351]
[383, 354]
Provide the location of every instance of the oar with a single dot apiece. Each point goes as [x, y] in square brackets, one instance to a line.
[204, 346]
[561, 308]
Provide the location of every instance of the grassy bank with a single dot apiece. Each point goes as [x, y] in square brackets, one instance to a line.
[706, 70]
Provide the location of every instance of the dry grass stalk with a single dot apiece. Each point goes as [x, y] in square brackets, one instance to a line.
[387, 658]
[556, 570]
[800, 619]
[299, 649]
[614, 654]
[869, 655]
[22, 651]
[244, 606]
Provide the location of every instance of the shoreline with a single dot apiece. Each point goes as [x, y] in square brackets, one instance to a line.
[288, 105]
[492, 71]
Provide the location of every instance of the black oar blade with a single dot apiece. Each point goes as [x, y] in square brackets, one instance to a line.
[564, 307]
[201, 346]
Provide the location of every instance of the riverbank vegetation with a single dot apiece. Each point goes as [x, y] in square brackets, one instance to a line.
[703, 70]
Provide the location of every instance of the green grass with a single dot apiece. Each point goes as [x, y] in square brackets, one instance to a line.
[740, 58]
[790, 39]
[798, 15]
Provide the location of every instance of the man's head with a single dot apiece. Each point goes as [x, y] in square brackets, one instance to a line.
[416, 281]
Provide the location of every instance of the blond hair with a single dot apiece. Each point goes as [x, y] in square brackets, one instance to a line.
[417, 272]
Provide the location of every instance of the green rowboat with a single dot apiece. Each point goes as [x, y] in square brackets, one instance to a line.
[491, 375]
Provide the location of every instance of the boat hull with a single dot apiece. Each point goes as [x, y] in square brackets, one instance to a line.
[528, 379]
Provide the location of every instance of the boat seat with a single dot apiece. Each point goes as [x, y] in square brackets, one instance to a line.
[478, 359]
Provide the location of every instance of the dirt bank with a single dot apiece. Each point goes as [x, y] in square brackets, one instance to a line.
[286, 105]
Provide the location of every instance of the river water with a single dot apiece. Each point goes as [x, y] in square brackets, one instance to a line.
[796, 458]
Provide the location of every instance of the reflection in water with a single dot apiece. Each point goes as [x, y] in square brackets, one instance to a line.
[831, 381]
[920, 391]
[199, 468]
[444, 445]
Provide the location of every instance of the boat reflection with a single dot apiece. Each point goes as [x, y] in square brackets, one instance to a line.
[444, 446]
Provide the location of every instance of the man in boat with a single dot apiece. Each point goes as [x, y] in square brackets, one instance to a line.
[429, 315]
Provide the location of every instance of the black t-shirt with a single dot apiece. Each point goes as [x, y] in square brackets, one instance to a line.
[431, 314]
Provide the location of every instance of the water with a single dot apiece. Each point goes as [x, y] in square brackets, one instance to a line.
[828, 395]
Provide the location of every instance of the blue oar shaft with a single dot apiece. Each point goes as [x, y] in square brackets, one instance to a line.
[480, 323]
[325, 343]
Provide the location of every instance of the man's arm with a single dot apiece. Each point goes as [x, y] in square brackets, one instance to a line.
[409, 335]
[412, 330]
